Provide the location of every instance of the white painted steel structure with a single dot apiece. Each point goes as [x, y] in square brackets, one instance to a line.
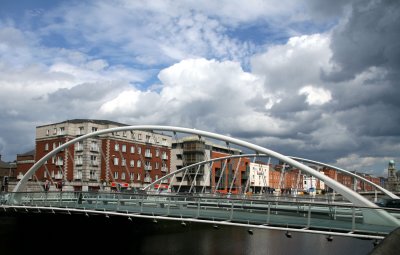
[355, 198]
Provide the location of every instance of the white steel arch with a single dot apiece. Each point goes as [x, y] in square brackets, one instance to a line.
[352, 196]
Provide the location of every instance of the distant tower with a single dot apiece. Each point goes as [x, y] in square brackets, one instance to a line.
[393, 180]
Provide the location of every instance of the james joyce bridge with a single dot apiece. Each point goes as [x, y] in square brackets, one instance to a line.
[352, 216]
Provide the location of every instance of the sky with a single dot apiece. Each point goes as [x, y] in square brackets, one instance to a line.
[308, 78]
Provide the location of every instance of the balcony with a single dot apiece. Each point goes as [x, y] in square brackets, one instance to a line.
[58, 176]
[19, 176]
[78, 147]
[94, 148]
[148, 168]
[78, 176]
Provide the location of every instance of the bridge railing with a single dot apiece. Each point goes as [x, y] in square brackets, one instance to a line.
[271, 211]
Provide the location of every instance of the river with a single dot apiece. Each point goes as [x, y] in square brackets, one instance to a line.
[78, 234]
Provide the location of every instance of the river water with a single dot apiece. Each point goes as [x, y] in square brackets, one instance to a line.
[78, 234]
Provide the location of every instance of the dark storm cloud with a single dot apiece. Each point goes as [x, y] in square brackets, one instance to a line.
[367, 45]
[370, 38]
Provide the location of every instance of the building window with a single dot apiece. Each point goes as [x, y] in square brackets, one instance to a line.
[94, 146]
[93, 160]
[93, 175]
[115, 175]
[147, 153]
[45, 174]
[132, 163]
[46, 147]
[123, 176]
[61, 131]
[116, 147]
[157, 153]
[123, 148]
[81, 131]
[54, 131]
[94, 129]
[79, 146]
[131, 176]
[48, 132]
[139, 150]
[138, 177]
[79, 160]
[116, 161]
[54, 146]
[139, 163]
[140, 136]
[132, 149]
[156, 165]
[123, 162]
[133, 136]
[124, 133]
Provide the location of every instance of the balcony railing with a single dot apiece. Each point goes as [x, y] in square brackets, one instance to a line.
[94, 148]
[78, 147]
[78, 176]
[19, 176]
[58, 176]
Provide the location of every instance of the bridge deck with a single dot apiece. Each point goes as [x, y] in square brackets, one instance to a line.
[329, 217]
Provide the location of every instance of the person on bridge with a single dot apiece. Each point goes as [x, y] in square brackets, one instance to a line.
[46, 185]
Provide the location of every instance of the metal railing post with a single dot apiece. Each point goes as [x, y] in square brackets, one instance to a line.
[198, 207]
[309, 216]
[231, 216]
[353, 219]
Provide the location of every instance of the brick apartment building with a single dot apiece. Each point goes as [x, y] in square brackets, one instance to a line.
[114, 160]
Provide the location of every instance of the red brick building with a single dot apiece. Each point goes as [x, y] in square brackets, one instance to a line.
[116, 160]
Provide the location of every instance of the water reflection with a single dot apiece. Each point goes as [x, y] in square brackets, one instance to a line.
[97, 234]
